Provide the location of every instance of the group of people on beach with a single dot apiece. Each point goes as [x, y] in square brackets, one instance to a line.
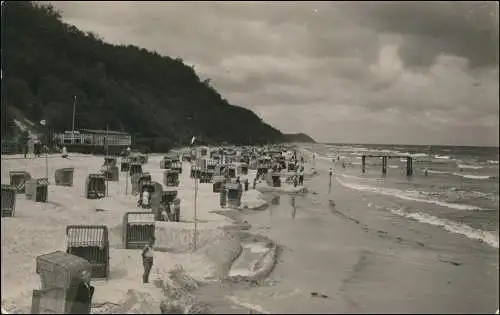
[37, 148]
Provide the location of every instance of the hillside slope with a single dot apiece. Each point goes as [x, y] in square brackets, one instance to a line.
[298, 137]
[155, 98]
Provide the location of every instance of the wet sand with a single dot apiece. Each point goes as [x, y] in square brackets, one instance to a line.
[346, 256]
[337, 253]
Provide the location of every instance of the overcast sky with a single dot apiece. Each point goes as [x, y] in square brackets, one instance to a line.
[364, 72]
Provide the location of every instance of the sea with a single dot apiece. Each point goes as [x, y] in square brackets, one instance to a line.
[368, 243]
[460, 192]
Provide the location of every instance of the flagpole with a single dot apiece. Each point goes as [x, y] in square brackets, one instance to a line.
[126, 178]
[195, 211]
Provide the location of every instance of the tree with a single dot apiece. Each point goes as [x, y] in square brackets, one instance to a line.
[125, 87]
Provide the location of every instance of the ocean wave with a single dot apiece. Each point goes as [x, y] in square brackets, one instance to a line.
[451, 226]
[407, 195]
[357, 177]
[467, 166]
[471, 194]
[471, 176]
[494, 162]
[455, 194]
[442, 157]
[437, 172]
[419, 154]
[414, 155]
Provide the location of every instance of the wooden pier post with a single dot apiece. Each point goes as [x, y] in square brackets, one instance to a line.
[363, 163]
[384, 165]
[409, 166]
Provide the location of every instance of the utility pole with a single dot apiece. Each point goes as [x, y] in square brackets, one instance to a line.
[107, 165]
[73, 126]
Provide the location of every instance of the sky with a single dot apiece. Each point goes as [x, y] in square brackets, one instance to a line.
[343, 72]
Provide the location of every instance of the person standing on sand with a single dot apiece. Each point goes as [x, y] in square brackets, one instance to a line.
[25, 147]
[64, 153]
[330, 183]
[83, 297]
[37, 148]
[145, 198]
[147, 260]
[301, 176]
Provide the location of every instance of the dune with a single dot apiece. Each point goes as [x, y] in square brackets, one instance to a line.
[39, 228]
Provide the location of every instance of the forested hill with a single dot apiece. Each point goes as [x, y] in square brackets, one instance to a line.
[298, 137]
[46, 62]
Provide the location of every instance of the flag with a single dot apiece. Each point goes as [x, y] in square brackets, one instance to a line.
[192, 140]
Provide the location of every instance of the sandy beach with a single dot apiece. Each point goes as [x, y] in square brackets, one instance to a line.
[312, 250]
[39, 228]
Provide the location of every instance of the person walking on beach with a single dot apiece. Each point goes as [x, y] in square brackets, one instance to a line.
[301, 176]
[147, 260]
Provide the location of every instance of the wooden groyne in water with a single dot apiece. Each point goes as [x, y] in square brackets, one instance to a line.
[385, 158]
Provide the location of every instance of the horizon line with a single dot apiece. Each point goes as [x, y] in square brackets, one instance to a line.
[419, 145]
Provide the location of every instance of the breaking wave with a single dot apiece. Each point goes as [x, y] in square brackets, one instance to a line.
[467, 166]
[450, 226]
[407, 195]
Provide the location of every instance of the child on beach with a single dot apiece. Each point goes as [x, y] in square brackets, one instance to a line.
[145, 198]
[147, 260]
[164, 215]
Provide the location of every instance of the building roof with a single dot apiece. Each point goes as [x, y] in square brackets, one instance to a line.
[109, 132]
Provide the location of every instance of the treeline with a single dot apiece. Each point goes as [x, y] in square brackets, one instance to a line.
[158, 99]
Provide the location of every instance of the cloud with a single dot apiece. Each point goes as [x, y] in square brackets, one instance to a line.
[406, 70]
[467, 29]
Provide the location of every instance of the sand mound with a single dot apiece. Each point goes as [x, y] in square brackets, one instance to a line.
[177, 287]
[134, 302]
[260, 268]
[252, 199]
[264, 187]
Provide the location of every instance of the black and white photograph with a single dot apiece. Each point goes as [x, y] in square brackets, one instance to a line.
[250, 157]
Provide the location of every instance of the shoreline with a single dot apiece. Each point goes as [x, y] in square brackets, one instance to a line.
[366, 260]
[360, 258]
